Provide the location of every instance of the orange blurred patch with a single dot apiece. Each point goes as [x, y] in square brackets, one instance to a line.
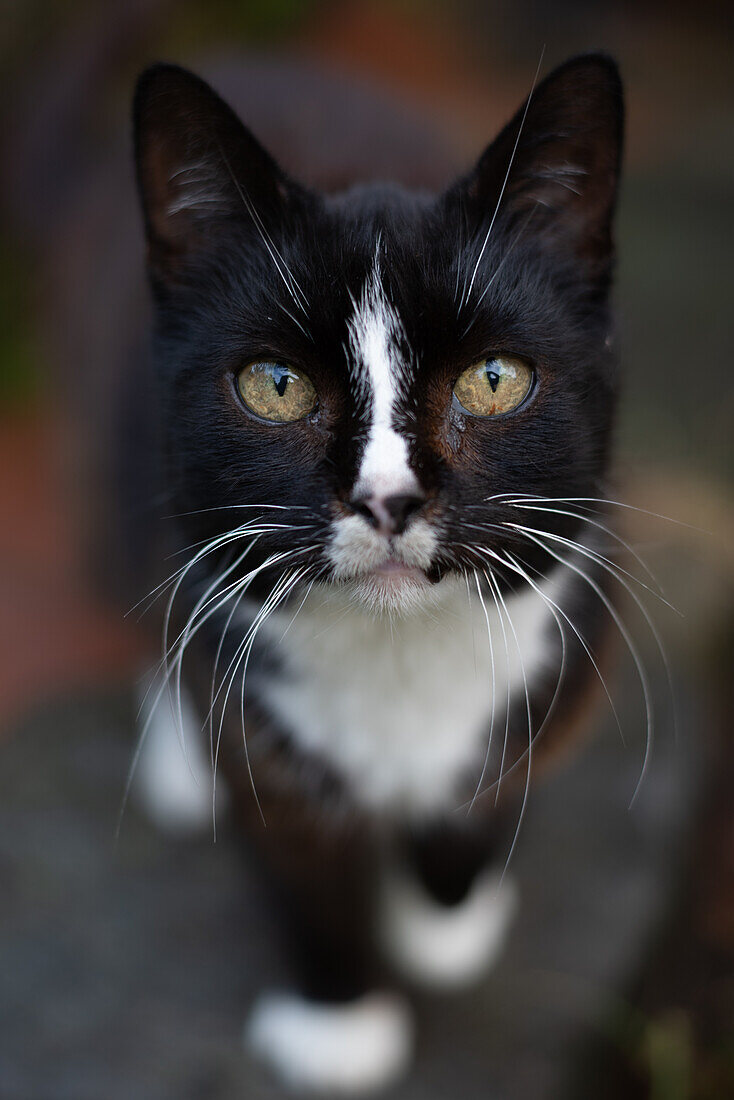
[55, 634]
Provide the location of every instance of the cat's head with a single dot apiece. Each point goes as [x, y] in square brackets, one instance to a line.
[367, 381]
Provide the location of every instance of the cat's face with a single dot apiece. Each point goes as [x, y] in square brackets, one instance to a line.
[368, 381]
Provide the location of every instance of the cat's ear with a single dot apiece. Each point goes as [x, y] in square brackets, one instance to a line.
[198, 167]
[557, 162]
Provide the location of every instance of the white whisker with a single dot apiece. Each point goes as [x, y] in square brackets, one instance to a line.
[491, 720]
[595, 556]
[467, 293]
[214, 603]
[644, 683]
[522, 497]
[556, 610]
[281, 589]
[601, 527]
[505, 257]
[493, 581]
[289, 279]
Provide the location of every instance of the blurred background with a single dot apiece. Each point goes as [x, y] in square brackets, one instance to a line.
[622, 980]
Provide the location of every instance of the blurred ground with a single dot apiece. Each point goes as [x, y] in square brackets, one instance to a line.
[64, 657]
[133, 964]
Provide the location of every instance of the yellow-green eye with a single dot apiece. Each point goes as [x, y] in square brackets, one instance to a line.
[276, 391]
[494, 386]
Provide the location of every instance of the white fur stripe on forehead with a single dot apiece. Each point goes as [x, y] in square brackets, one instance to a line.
[375, 337]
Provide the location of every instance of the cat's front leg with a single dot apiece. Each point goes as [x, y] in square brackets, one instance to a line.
[445, 908]
[172, 780]
[352, 1048]
[337, 1030]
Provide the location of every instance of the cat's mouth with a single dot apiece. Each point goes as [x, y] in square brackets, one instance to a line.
[393, 569]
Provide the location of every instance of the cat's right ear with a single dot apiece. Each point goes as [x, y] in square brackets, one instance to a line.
[554, 169]
[199, 169]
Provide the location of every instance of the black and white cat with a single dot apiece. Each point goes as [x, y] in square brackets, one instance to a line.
[383, 415]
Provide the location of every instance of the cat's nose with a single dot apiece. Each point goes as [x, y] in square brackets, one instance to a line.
[388, 515]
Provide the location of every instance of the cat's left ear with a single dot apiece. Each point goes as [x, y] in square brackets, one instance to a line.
[557, 163]
[199, 169]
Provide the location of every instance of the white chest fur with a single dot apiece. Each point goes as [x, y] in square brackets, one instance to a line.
[401, 710]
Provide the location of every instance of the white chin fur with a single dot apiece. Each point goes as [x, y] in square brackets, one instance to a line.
[347, 1050]
[444, 947]
[392, 595]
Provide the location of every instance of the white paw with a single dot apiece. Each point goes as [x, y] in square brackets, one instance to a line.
[348, 1049]
[444, 947]
[173, 778]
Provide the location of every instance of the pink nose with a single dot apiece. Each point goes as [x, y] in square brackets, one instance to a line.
[388, 515]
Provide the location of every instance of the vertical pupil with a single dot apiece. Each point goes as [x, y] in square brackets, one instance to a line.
[281, 379]
[493, 379]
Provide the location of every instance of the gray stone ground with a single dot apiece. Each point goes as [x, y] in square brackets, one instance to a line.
[126, 969]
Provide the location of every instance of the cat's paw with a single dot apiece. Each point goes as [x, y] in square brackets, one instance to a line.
[439, 946]
[173, 778]
[351, 1049]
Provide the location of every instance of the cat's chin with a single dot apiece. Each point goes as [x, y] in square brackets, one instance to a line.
[393, 589]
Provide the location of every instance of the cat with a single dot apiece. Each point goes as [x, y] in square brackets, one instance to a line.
[382, 417]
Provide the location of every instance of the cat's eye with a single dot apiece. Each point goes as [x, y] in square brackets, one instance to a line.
[494, 386]
[276, 391]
